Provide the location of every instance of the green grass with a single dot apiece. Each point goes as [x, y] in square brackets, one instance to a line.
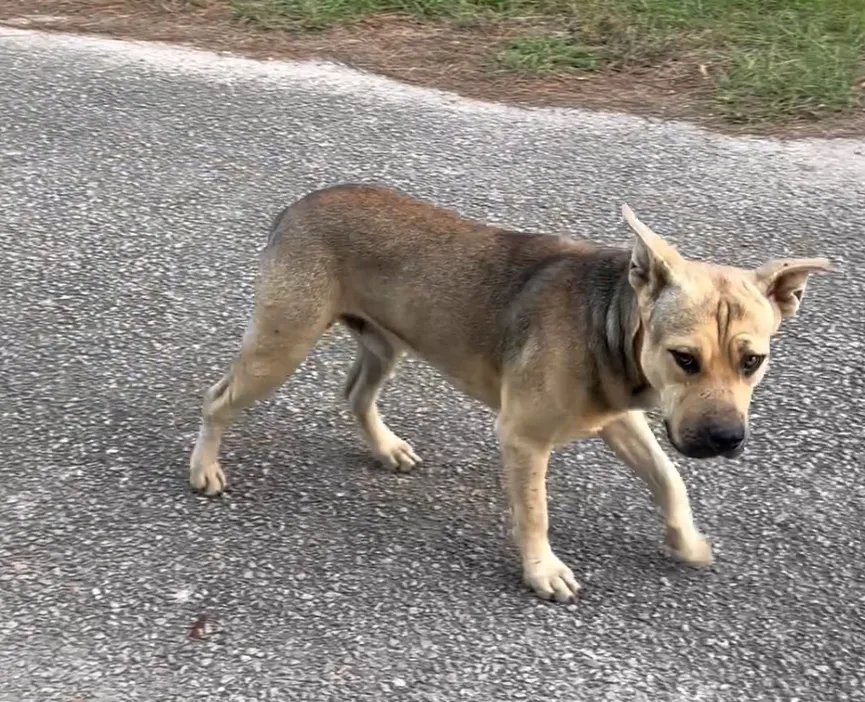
[546, 54]
[766, 60]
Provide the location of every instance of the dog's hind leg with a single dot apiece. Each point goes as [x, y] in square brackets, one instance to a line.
[274, 345]
[376, 359]
[633, 442]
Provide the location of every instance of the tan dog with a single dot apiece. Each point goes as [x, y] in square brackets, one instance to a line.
[564, 339]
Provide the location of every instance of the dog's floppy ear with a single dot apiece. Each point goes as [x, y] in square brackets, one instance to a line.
[783, 281]
[654, 263]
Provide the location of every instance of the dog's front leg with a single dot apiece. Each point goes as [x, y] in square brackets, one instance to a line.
[525, 465]
[634, 443]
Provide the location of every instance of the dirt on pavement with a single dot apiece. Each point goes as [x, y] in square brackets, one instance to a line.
[435, 55]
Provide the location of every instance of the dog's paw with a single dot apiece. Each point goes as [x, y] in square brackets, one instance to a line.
[209, 479]
[396, 453]
[551, 579]
[692, 548]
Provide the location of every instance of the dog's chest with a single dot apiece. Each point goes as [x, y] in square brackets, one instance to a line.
[584, 424]
[644, 398]
[585, 420]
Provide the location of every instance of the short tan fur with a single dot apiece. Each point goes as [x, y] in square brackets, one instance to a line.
[562, 338]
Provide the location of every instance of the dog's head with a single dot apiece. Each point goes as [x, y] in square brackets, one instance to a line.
[706, 331]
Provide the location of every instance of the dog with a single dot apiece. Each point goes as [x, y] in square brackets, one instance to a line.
[562, 339]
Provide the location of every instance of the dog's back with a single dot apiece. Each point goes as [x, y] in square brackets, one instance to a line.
[391, 253]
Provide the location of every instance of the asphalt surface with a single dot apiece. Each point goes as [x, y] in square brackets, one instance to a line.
[136, 187]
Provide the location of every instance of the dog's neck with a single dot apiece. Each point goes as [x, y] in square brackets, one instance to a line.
[642, 391]
[624, 332]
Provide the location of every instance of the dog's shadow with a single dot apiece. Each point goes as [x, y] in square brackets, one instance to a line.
[450, 514]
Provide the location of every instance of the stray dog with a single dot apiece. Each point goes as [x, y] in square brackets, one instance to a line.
[562, 338]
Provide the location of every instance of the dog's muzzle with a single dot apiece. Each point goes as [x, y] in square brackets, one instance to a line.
[711, 440]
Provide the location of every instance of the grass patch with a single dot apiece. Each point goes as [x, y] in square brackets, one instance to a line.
[765, 60]
[546, 54]
[317, 14]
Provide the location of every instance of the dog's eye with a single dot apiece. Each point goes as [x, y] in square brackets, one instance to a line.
[685, 361]
[751, 362]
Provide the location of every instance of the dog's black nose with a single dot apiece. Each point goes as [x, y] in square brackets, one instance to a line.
[726, 438]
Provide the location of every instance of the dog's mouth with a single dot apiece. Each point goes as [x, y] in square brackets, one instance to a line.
[735, 453]
[700, 450]
[674, 443]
